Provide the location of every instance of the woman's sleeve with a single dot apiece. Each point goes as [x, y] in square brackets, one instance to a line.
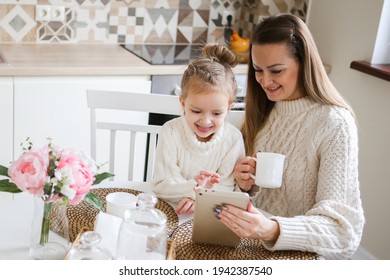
[334, 226]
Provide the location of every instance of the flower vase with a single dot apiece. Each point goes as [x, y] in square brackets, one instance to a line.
[49, 231]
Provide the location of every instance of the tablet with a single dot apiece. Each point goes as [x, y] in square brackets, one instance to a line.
[206, 227]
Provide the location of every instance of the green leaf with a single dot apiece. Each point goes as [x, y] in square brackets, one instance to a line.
[102, 176]
[3, 171]
[6, 186]
[94, 200]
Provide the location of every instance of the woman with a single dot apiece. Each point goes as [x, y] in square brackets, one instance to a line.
[292, 108]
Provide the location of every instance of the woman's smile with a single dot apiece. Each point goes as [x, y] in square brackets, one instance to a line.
[273, 89]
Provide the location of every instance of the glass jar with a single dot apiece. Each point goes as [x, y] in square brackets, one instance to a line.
[49, 231]
[143, 233]
[89, 249]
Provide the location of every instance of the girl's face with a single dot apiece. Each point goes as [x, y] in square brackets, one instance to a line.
[276, 71]
[205, 110]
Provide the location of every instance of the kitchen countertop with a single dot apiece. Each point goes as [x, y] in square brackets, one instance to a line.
[80, 60]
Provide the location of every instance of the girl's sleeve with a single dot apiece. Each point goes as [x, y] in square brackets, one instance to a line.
[233, 152]
[168, 182]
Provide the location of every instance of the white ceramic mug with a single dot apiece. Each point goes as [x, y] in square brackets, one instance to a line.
[269, 170]
[119, 202]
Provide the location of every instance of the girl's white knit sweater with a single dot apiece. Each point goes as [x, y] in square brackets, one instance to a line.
[318, 206]
[181, 156]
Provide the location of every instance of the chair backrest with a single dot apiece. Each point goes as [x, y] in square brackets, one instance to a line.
[236, 117]
[135, 125]
[135, 102]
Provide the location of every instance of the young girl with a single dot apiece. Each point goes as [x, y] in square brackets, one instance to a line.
[200, 149]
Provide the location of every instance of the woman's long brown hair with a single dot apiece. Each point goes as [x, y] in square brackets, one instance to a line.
[312, 78]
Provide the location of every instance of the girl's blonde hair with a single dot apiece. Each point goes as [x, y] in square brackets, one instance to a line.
[213, 69]
[313, 80]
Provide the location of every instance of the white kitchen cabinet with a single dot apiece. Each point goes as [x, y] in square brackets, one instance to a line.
[6, 113]
[56, 108]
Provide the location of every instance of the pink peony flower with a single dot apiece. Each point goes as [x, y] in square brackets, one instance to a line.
[29, 172]
[82, 175]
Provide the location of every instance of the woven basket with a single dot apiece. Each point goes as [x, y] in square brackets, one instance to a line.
[248, 249]
[83, 216]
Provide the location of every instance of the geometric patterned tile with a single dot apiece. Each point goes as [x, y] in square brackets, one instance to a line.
[68, 3]
[19, 22]
[199, 35]
[57, 31]
[137, 21]
[193, 22]
[92, 3]
[215, 27]
[272, 7]
[58, 2]
[192, 26]
[126, 25]
[300, 9]
[165, 4]
[91, 24]
[44, 2]
[160, 25]
[253, 11]
[199, 4]
[201, 18]
[133, 3]
[20, 2]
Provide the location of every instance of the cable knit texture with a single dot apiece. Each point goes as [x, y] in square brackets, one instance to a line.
[318, 206]
[180, 156]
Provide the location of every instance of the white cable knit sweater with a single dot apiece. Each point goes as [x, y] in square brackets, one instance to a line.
[181, 156]
[318, 206]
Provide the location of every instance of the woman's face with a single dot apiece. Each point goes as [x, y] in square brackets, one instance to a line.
[205, 111]
[276, 71]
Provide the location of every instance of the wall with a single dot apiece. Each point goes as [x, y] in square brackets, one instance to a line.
[346, 31]
[116, 21]
[253, 11]
[135, 21]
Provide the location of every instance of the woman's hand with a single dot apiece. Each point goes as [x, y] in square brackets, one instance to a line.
[186, 205]
[206, 179]
[242, 170]
[250, 223]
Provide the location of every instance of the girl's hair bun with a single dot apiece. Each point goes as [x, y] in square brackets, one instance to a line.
[219, 53]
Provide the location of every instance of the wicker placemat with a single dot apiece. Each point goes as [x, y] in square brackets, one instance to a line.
[84, 215]
[248, 249]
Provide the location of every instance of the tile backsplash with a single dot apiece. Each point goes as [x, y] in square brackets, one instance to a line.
[135, 21]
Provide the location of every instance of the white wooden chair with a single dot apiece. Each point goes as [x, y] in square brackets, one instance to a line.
[134, 102]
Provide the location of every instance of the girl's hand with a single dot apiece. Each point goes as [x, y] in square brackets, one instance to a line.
[242, 170]
[250, 223]
[206, 179]
[186, 205]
